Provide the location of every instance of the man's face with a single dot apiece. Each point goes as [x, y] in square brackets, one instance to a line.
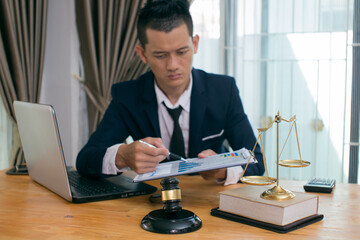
[169, 56]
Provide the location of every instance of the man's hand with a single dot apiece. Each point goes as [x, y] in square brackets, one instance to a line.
[140, 157]
[212, 174]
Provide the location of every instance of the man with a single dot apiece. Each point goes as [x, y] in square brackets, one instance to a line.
[210, 107]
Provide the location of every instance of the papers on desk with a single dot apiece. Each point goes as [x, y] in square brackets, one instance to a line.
[193, 165]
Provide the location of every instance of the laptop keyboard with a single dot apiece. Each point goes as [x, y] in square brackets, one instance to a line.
[88, 186]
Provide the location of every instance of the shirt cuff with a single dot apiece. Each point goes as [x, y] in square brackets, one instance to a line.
[233, 175]
[109, 166]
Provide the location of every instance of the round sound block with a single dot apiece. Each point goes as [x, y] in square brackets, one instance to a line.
[159, 221]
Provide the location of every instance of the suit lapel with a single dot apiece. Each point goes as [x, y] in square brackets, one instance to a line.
[197, 112]
[150, 104]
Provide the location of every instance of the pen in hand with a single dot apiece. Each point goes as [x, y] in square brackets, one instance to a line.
[169, 156]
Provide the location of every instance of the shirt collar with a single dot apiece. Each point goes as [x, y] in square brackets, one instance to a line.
[183, 101]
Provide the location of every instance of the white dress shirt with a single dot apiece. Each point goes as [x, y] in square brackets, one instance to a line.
[166, 124]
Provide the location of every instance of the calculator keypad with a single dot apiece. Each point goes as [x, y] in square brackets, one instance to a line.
[322, 185]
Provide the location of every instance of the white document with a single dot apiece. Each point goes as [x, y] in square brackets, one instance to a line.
[193, 165]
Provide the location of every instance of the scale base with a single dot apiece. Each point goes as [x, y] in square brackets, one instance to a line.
[177, 222]
[277, 193]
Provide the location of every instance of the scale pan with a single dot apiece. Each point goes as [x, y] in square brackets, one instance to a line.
[293, 163]
[258, 180]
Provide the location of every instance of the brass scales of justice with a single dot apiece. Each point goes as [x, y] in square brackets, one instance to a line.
[277, 192]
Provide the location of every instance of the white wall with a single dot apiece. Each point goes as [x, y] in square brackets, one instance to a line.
[6, 129]
[59, 87]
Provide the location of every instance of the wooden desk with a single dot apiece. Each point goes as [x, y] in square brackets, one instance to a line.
[29, 211]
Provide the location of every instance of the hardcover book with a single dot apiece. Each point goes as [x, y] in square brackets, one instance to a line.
[246, 202]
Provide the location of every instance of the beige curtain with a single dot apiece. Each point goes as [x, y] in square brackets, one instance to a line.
[107, 33]
[22, 44]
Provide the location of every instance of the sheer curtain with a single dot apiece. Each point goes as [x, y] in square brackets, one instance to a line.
[297, 51]
[293, 57]
[206, 18]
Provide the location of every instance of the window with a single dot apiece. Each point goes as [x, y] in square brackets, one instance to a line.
[294, 57]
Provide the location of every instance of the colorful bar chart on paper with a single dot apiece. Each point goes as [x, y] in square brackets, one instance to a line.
[193, 165]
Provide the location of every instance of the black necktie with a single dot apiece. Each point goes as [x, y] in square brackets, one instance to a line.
[177, 140]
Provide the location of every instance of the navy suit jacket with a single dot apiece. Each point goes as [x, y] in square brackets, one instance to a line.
[216, 114]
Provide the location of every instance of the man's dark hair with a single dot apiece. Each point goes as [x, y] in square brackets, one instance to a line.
[164, 16]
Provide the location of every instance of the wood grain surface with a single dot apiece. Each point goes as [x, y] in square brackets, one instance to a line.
[29, 211]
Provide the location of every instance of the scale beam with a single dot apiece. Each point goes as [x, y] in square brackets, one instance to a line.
[276, 193]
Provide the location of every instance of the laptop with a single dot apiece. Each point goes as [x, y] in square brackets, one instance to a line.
[40, 138]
